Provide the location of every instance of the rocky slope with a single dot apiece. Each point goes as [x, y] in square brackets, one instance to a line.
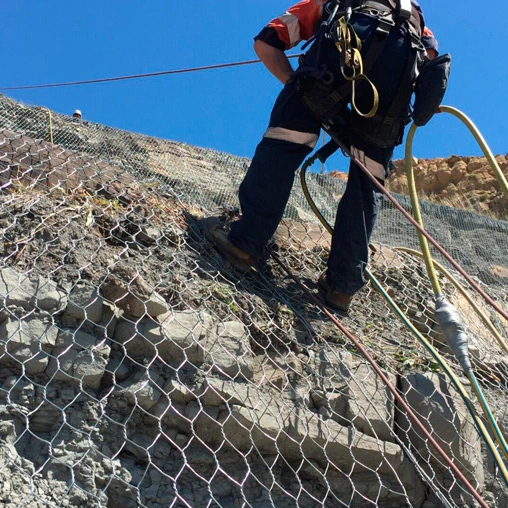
[138, 369]
[466, 183]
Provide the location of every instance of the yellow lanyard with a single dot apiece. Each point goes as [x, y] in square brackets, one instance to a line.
[349, 45]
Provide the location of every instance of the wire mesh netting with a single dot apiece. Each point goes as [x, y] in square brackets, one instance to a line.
[137, 368]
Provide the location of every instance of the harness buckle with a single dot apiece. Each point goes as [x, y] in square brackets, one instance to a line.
[385, 24]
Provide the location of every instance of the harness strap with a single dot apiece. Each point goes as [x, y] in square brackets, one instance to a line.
[402, 12]
[315, 83]
[385, 24]
[405, 9]
[386, 130]
[383, 10]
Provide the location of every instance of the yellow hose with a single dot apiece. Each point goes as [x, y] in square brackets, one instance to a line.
[424, 244]
[482, 143]
[50, 124]
[427, 256]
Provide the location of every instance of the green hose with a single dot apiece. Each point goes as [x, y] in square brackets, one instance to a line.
[444, 365]
[488, 413]
[465, 294]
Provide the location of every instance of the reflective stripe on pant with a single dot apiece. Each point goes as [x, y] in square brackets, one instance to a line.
[264, 192]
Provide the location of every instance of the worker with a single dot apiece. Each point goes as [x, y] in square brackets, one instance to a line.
[393, 40]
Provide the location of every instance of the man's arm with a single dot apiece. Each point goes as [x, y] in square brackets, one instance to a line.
[284, 33]
[430, 43]
[274, 59]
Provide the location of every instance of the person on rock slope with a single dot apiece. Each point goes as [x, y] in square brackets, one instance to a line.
[396, 42]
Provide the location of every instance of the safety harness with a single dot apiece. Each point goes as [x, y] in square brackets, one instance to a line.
[327, 99]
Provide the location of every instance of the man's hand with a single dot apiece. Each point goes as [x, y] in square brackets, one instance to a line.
[431, 53]
[274, 60]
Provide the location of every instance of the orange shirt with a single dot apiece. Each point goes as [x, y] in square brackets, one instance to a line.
[298, 22]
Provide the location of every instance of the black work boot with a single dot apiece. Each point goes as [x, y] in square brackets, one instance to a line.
[336, 299]
[218, 235]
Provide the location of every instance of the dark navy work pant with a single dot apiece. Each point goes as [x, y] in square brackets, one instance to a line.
[290, 138]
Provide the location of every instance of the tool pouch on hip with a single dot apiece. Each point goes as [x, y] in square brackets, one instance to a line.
[380, 131]
[430, 88]
[324, 98]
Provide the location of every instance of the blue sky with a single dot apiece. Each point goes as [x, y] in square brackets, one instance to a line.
[54, 41]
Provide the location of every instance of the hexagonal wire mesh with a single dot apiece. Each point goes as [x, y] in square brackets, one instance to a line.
[137, 368]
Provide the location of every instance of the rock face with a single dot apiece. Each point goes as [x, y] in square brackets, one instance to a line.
[467, 183]
[445, 411]
[137, 369]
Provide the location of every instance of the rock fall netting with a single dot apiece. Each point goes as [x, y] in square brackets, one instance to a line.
[138, 369]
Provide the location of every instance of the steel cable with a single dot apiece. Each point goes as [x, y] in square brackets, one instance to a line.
[137, 76]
